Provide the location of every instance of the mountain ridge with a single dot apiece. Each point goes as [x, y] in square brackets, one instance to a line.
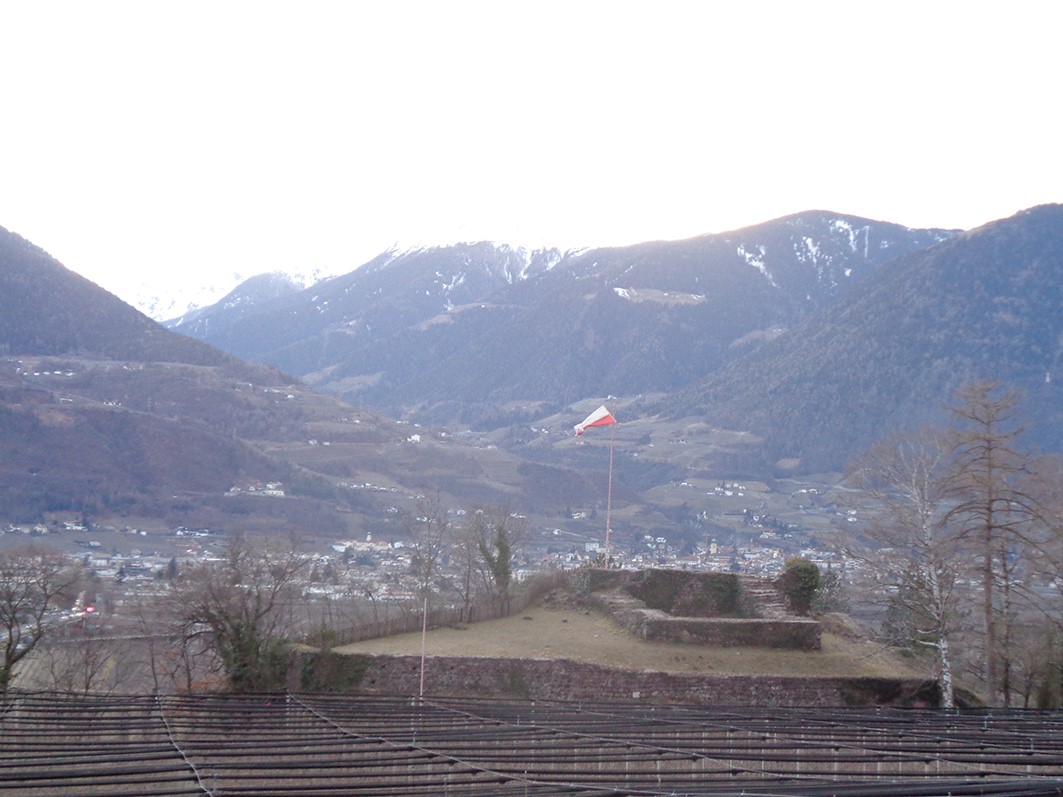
[108, 418]
[623, 320]
[717, 357]
[980, 306]
[50, 310]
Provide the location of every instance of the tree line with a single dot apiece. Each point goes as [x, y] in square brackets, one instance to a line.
[966, 540]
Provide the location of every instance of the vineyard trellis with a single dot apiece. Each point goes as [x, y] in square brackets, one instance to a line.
[327, 744]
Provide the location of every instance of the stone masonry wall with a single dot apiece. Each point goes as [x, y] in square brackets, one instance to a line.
[560, 679]
[795, 633]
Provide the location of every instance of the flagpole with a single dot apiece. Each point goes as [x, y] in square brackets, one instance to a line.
[609, 496]
[602, 417]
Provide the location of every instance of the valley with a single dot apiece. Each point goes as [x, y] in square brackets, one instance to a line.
[382, 414]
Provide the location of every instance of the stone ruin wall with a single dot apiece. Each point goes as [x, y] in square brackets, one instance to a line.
[757, 628]
[561, 679]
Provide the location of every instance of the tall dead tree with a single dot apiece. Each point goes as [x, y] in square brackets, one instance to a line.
[905, 479]
[992, 510]
[470, 580]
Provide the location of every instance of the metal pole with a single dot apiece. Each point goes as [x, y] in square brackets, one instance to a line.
[424, 642]
[609, 498]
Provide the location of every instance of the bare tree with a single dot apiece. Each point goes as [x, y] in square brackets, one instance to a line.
[175, 659]
[1047, 565]
[993, 510]
[87, 660]
[244, 605]
[429, 533]
[1044, 579]
[32, 579]
[905, 478]
[470, 578]
[1033, 646]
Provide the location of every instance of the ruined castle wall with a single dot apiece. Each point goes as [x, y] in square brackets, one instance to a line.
[560, 679]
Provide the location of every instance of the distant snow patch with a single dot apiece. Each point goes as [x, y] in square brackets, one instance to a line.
[456, 281]
[658, 296]
[854, 234]
[758, 336]
[755, 258]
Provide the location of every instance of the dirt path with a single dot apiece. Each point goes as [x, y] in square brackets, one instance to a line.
[581, 635]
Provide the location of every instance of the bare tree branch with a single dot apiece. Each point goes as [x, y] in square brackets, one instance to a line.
[32, 579]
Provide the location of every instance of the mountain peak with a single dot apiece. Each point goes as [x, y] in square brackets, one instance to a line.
[979, 305]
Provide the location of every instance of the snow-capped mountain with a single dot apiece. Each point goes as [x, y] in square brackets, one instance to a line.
[162, 301]
[457, 331]
[246, 297]
[817, 333]
[393, 292]
[984, 305]
[166, 301]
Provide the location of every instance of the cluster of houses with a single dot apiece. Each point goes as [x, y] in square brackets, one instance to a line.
[380, 569]
[752, 558]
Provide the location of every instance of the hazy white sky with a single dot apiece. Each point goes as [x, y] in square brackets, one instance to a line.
[170, 142]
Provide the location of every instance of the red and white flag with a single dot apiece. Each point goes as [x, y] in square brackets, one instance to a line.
[600, 417]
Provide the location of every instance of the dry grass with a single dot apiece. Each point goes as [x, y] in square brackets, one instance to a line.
[586, 636]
